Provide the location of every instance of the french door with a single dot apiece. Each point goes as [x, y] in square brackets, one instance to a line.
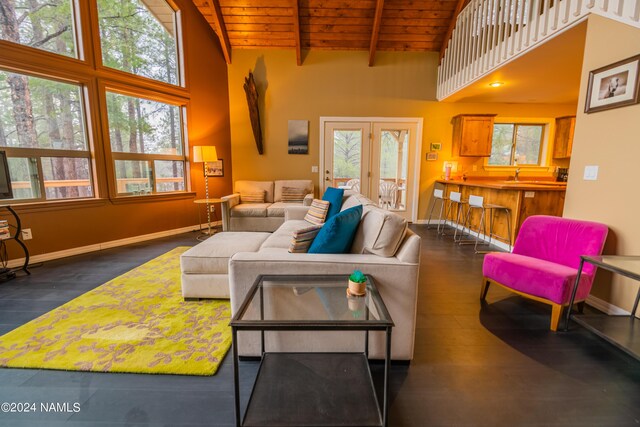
[374, 158]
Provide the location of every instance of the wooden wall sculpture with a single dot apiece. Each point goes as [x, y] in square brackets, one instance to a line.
[254, 112]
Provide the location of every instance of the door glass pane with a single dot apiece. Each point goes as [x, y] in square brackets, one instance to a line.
[138, 36]
[40, 113]
[528, 142]
[169, 175]
[501, 145]
[133, 177]
[138, 125]
[66, 177]
[43, 24]
[394, 155]
[347, 151]
[24, 177]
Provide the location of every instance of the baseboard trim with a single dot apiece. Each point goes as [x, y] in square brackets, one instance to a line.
[19, 262]
[606, 307]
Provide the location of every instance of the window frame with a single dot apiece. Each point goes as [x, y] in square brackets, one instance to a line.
[131, 78]
[544, 156]
[115, 87]
[84, 86]
[92, 77]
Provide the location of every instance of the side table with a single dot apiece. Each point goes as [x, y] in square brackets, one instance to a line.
[621, 331]
[209, 202]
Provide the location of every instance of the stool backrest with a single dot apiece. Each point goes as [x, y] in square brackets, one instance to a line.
[455, 196]
[476, 201]
[438, 194]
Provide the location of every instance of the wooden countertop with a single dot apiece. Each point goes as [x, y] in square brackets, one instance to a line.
[527, 185]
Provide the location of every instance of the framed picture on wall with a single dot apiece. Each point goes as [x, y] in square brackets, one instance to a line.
[213, 169]
[613, 86]
[298, 137]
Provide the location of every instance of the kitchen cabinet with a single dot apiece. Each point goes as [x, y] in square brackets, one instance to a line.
[472, 135]
[563, 139]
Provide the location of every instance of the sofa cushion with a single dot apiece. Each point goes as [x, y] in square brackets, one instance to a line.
[304, 184]
[354, 200]
[293, 194]
[317, 213]
[212, 255]
[278, 208]
[380, 232]
[535, 276]
[336, 235]
[252, 186]
[334, 197]
[302, 239]
[252, 197]
[281, 238]
[250, 209]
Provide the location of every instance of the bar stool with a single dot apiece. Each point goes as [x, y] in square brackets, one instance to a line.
[438, 196]
[455, 199]
[477, 202]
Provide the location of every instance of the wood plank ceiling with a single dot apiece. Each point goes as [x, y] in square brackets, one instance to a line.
[369, 25]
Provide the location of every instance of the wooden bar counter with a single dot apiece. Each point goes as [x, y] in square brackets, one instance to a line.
[524, 198]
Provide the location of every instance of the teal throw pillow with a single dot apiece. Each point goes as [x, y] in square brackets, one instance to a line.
[334, 197]
[336, 235]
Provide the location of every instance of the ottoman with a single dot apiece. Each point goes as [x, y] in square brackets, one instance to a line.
[205, 267]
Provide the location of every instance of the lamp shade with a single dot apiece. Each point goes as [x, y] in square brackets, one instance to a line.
[452, 164]
[204, 153]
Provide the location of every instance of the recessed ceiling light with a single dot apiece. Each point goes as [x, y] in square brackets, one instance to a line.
[496, 84]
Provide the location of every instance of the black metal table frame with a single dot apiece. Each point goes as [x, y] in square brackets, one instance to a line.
[599, 264]
[313, 325]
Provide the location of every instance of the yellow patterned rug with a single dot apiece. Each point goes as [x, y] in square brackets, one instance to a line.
[137, 322]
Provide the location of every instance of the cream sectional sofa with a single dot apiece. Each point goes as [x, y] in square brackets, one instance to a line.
[267, 216]
[383, 247]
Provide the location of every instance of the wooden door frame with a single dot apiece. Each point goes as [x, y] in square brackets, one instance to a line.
[416, 174]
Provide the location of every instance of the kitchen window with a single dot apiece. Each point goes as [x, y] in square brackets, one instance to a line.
[516, 144]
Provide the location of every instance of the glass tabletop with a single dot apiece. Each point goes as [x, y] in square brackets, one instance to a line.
[311, 301]
[626, 265]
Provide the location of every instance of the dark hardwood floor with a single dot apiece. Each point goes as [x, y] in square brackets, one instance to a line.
[475, 365]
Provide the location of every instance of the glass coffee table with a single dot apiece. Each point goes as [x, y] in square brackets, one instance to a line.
[312, 389]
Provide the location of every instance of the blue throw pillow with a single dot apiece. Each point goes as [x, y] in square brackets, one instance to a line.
[334, 197]
[336, 235]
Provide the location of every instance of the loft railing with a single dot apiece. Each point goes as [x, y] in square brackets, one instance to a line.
[489, 33]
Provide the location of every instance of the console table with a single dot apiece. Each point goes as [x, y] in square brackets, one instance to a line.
[312, 389]
[621, 331]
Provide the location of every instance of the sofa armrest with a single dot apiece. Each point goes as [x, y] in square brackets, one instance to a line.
[295, 212]
[307, 200]
[228, 202]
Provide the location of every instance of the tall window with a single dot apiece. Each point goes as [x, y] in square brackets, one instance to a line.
[515, 143]
[146, 145]
[139, 37]
[42, 129]
[43, 24]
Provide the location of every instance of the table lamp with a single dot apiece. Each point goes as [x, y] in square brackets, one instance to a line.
[448, 167]
[205, 154]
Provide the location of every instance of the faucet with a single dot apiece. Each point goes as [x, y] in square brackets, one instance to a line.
[516, 174]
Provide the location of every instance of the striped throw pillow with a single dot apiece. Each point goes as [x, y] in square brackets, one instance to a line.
[317, 212]
[252, 197]
[302, 239]
[293, 194]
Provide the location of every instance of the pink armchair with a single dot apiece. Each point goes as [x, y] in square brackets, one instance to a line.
[545, 259]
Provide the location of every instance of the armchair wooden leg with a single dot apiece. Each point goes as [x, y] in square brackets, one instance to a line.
[556, 313]
[484, 288]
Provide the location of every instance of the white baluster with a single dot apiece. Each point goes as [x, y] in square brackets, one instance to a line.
[546, 11]
[521, 23]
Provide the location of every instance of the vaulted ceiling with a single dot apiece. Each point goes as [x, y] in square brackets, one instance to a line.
[369, 25]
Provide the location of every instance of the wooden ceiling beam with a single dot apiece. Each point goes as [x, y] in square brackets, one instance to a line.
[452, 26]
[296, 30]
[214, 5]
[377, 20]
